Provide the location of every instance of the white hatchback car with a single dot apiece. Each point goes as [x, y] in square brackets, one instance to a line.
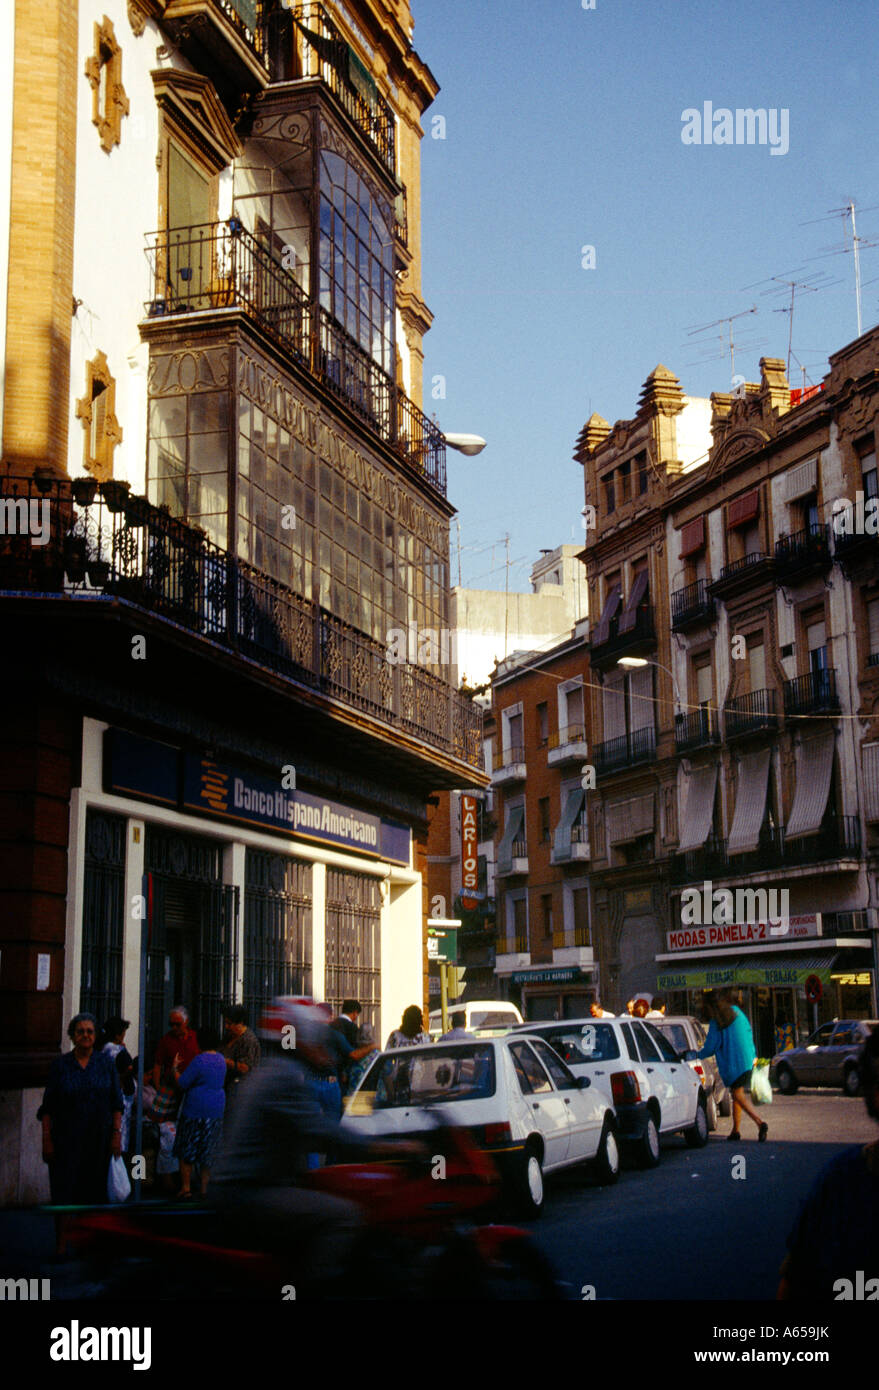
[520, 1103]
[652, 1090]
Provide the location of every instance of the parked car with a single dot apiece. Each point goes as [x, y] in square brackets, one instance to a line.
[652, 1090]
[520, 1103]
[487, 1018]
[687, 1033]
[829, 1057]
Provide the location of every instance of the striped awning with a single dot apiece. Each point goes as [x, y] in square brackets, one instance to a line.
[513, 832]
[801, 480]
[870, 764]
[750, 801]
[693, 537]
[627, 820]
[814, 771]
[743, 509]
[573, 807]
[698, 811]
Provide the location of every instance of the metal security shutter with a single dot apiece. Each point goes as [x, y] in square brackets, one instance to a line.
[814, 771]
[277, 929]
[353, 941]
[750, 801]
[698, 812]
[103, 915]
[870, 764]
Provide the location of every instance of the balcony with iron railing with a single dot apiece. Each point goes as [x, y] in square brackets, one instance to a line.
[105, 543]
[814, 693]
[517, 864]
[566, 745]
[509, 765]
[691, 605]
[839, 838]
[640, 637]
[742, 574]
[629, 750]
[803, 553]
[222, 266]
[699, 729]
[750, 714]
[579, 845]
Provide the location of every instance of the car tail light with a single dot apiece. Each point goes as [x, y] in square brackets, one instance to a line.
[699, 1070]
[624, 1088]
[498, 1133]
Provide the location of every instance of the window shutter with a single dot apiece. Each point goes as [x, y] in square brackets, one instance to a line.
[693, 537]
[743, 510]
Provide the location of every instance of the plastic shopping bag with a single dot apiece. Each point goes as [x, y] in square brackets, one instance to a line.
[761, 1091]
[118, 1184]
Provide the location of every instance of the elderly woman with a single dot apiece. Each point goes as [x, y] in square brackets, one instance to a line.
[200, 1122]
[81, 1115]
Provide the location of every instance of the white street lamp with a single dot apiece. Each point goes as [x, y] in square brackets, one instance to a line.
[636, 662]
[469, 444]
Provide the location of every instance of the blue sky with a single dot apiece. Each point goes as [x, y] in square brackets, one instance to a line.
[563, 130]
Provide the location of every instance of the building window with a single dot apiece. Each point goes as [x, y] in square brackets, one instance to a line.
[543, 819]
[96, 411]
[609, 494]
[546, 914]
[757, 665]
[625, 481]
[641, 466]
[356, 259]
[873, 632]
[543, 723]
[104, 72]
[867, 456]
[580, 916]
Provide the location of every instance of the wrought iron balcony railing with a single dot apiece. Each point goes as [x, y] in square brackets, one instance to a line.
[814, 693]
[838, 838]
[748, 714]
[508, 757]
[696, 730]
[804, 552]
[691, 605]
[108, 542]
[574, 733]
[220, 265]
[626, 751]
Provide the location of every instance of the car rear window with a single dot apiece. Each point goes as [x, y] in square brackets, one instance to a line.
[409, 1077]
[676, 1034]
[583, 1042]
[493, 1018]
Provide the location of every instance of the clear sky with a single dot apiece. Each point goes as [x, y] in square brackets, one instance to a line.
[562, 130]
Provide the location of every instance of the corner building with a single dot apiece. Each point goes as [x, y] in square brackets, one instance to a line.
[243, 496]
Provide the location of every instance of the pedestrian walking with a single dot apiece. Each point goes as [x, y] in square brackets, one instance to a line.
[832, 1247]
[114, 1031]
[411, 1030]
[731, 1041]
[81, 1115]
[200, 1120]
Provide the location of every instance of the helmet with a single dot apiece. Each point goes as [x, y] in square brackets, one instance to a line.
[298, 1012]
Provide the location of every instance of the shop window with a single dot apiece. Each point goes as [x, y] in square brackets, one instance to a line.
[104, 72]
[96, 409]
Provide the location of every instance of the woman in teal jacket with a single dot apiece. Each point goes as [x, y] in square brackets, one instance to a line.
[731, 1041]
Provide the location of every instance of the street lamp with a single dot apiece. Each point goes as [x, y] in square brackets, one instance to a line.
[469, 444]
[637, 662]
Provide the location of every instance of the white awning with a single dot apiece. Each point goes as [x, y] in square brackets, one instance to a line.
[698, 813]
[513, 831]
[870, 763]
[801, 480]
[750, 801]
[814, 770]
[626, 820]
[573, 807]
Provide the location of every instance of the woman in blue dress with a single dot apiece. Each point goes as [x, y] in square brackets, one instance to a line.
[731, 1041]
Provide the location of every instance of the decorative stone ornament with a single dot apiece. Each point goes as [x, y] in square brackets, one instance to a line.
[104, 72]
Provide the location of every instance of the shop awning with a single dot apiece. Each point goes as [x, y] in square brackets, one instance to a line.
[750, 802]
[514, 830]
[573, 807]
[698, 812]
[814, 769]
[778, 971]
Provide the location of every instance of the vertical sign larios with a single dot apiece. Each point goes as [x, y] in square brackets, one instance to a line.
[469, 862]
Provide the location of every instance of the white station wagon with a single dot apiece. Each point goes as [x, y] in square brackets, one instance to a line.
[519, 1101]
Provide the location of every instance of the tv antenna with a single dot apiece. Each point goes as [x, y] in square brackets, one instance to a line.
[780, 286]
[715, 356]
[847, 213]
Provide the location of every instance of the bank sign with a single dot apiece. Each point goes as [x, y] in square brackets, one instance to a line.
[258, 800]
[743, 933]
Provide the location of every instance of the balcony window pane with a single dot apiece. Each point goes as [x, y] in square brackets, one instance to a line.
[757, 666]
[208, 411]
[207, 453]
[168, 419]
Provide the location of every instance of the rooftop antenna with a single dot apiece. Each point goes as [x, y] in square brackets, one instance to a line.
[728, 320]
[847, 213]
[779, 285]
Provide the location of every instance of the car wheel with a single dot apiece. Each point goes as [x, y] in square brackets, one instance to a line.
[647, 1148]
[529, 1184]
[787, 1082]
[711, 1111]
[606, 1163]
[851, 1082]
[697, 1135]
[725, 1105]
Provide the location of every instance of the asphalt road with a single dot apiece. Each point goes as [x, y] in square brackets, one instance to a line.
[688, 1229]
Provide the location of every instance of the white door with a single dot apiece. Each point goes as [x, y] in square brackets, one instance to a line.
[663, 1083]
[683, 1078]
[547, 1110]
[585, 1107]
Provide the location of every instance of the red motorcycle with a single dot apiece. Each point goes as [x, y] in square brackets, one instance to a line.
[420, 1238]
